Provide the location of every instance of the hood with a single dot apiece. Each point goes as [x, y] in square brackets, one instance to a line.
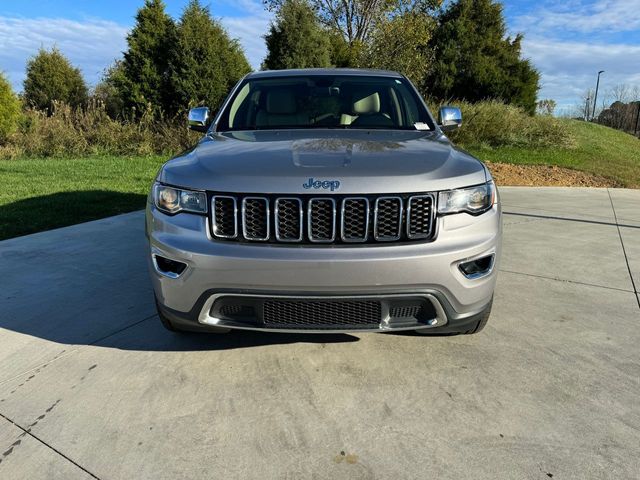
[324, 161]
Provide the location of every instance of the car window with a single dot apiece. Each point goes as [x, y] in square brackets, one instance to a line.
[325, 101]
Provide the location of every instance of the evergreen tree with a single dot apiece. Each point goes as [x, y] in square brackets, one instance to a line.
[475, 60]
[205, 63]
[9, 109]
[296, 39]
[51, 78]
[144, 81]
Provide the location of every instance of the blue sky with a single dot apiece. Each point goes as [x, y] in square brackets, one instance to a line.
[568, 41]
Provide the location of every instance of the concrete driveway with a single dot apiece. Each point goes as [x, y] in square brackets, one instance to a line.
[91, 386]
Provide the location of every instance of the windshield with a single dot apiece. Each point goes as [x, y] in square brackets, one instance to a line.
[325, 101]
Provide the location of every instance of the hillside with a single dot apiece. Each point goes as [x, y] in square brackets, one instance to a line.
[597, 150]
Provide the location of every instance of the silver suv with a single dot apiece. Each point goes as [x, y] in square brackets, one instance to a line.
[324, 201]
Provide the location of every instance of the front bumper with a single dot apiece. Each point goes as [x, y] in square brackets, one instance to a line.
[421, 270]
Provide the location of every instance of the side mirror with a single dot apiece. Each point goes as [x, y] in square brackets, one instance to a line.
[199, 119]
[449, 118]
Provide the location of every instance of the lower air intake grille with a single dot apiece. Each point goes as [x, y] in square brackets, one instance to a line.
[321, 313]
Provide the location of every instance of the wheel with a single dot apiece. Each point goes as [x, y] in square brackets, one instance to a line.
[470, 327]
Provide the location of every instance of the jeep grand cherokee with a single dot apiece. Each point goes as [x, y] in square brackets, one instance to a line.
[324, 201]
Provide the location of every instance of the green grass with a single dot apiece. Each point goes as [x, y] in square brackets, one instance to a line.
[41, 194]
[598, 150]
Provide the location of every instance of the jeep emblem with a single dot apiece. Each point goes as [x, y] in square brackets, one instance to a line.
[324, 184]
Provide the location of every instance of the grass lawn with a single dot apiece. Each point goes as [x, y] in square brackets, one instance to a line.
[41, 194]
[598, 150]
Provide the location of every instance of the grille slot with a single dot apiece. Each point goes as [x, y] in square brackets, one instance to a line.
[388, 219]
[224, 216]
[318, 314]
[322, 220]
[288, 215]
[255, 218]
[419, 213]
[355, 219]
[411, 311]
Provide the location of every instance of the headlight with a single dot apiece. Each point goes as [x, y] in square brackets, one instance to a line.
[473, 200]
[174, 200]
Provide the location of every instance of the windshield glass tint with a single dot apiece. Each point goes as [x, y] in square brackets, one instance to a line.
[327, 101]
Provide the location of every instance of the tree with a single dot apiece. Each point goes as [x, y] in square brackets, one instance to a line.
[476, 60]
[546, 106]
[402, 44]
[205, 63]
[296, 39]
[107, 93]
[144, 81]
[51, 78]
[354, 20]
[9, 109]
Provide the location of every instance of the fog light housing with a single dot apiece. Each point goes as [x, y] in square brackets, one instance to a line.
[167, 267]
[478, 267]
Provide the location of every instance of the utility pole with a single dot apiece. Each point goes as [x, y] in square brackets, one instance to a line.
[586, 108]
[595, 98]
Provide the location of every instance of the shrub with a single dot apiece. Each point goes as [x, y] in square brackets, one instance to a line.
[494, 124]
[9, 109]
[90, 131]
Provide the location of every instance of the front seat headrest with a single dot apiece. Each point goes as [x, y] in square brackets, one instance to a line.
[366, 103]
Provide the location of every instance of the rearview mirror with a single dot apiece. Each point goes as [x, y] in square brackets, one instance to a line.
[449, 118]
[198, 119]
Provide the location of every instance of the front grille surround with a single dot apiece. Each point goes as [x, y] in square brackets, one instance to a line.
[317, 222]
[285, 219]
[417, 226]
[221, 221]
[388, 219]
[347, 231]
[256, 223]
[327, 220]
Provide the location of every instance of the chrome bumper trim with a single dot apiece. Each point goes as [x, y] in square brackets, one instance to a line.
[206, 319]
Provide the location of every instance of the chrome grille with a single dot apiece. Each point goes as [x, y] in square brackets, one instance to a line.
[388, 219]
[354, 219]
[321, 219]
[326, 220]
[288, 215]
[255, 218]
[419, 222]
[224, 216]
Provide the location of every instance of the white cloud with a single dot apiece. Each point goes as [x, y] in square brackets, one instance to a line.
[583, 17]
[570, 68]
[91, 45]
[250, 31]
